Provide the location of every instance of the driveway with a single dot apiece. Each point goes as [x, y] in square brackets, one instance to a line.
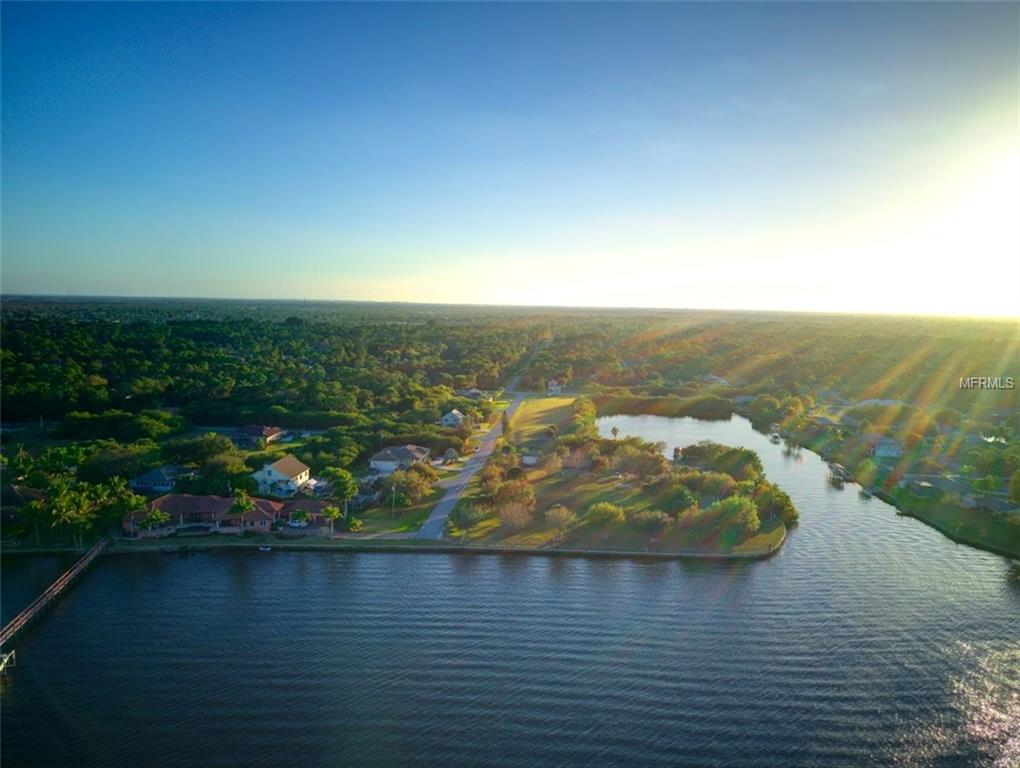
[434, 527]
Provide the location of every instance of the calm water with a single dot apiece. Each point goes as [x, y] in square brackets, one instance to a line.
[869, 640]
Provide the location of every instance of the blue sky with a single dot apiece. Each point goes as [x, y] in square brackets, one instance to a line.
[656, 155]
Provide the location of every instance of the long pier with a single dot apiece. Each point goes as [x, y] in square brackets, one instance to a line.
[52, 592]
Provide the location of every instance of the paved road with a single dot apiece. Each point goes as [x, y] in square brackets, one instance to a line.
[434, 527]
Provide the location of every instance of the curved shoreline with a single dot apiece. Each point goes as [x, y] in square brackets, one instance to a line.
[893, 502]
[952, 536]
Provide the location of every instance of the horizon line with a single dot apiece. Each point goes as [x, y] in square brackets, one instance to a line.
[588, 307]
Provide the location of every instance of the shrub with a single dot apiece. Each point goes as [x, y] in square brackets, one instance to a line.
[465, 517]
[551, 463]
[651, 521]
[560, 518]
[604, 513]
[516, 492]
[515, 515]
[737, 511]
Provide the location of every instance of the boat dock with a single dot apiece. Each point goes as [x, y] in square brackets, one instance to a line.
[41, 603]
[838, 472]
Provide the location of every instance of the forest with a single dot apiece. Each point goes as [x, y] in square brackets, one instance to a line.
[104, 389]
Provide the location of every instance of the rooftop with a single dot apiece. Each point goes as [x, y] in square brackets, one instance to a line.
[289, 466]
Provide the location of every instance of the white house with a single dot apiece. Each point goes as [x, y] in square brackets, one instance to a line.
[453, 419]
[553, 387]
[283, 477]
[397, 457]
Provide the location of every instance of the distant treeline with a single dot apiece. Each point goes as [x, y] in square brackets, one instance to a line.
[707, 407]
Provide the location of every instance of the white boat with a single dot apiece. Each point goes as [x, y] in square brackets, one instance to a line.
[264, 548]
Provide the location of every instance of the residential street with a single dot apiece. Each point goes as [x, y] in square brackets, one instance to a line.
[434, 527]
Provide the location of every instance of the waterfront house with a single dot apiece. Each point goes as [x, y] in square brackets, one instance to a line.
[553, 387]
[211, 512]
[260, 519]
[284, 477]
[397, 457]
[453, 419]
[182, 508]
[311, 507]
[161, 480]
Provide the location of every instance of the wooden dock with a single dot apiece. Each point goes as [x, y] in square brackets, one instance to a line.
[53, 591]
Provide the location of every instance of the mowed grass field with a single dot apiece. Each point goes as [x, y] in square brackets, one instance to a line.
[535, 416]
[381, 519]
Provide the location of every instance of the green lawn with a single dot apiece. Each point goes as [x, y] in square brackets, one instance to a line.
[975, 526]
[534, 416]
[381, 519]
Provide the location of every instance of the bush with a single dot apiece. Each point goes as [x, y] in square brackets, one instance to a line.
[651, 521]
[709, 484]
[551, 463]
[465, 517]
[560, 518]
[604, 513]
[737, 511]
[355, 524]
[515, 516]
[516, 492]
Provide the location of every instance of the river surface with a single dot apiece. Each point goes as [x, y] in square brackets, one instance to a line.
[870, 639]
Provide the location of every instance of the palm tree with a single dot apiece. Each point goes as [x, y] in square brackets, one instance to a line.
[242, 506]
[331, 513]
